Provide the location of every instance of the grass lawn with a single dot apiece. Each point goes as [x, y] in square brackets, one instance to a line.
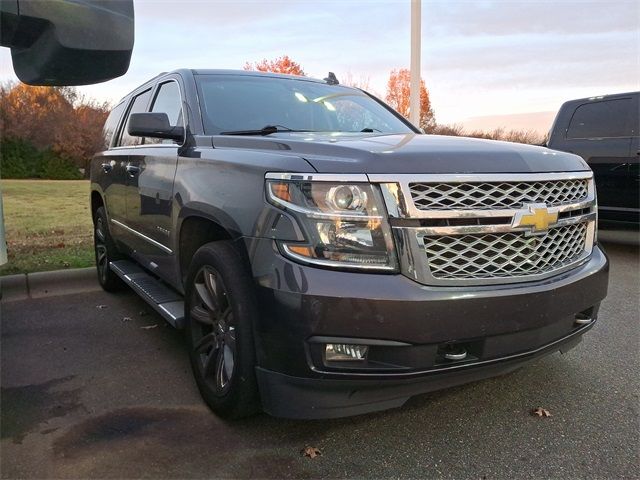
[47, 225]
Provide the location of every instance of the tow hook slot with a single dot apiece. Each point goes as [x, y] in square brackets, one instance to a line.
[454, 352]
[583, 319]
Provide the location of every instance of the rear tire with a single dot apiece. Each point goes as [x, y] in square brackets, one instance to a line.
[105, 252]
[219, 311]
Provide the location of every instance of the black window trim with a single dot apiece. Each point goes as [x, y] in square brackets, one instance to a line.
[566, 132]
[132, 99]
[154, 95]
[119, 123]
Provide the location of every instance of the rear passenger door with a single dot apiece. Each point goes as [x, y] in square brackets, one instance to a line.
[111, 162]
[122, 174]
[601, 132]
[150, 189]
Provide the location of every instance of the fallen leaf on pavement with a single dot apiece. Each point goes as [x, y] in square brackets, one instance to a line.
[540, 412]
[101, 307]
[149, 327]
[311, 452]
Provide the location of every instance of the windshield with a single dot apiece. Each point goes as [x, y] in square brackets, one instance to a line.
[231, 103]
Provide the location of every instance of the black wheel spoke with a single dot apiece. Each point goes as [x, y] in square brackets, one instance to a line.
[216, 290]
[201, 315]
[101, 251]
[221, 371]
[229, 360]
[230, 339]
[205, 296]
[100, 231]
[210, 362]
[205, 343]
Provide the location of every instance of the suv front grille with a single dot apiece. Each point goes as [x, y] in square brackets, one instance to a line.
[499, 255]
[495, 195]
[487, 229]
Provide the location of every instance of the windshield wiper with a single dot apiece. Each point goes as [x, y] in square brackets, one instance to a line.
[266, 130]
[370, 130]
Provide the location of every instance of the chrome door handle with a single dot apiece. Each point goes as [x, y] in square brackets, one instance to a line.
[106, 167]
[132, 170]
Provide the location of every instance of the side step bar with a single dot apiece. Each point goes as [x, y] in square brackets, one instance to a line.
[168, 303]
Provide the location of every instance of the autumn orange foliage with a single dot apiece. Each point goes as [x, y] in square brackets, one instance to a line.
[53, 118]
[398, 93]
[282, 64]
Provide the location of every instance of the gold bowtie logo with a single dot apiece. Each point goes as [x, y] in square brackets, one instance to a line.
[535, 215]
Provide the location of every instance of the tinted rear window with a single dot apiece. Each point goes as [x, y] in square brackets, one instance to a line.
[111, 124]
[610, 118]
[139, 105]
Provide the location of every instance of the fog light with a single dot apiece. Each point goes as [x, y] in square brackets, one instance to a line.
[340, 352]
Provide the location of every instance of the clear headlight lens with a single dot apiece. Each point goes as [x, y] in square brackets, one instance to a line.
[345, 223]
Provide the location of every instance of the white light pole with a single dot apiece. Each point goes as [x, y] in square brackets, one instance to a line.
[414, 99]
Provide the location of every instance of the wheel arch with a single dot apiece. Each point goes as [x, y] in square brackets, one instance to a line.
[96, 202]
[197, 229]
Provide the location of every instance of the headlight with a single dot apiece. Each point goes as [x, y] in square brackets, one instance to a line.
[345, 224]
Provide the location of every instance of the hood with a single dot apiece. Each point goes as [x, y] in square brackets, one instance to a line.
[409, 153]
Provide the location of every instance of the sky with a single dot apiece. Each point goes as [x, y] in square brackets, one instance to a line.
[485, 63]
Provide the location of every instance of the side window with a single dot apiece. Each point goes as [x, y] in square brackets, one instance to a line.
[139, 105]
[610, 118]
[111, 124]
[168, 101]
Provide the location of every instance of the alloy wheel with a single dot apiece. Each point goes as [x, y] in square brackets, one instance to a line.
[213, 333]
[102, 259]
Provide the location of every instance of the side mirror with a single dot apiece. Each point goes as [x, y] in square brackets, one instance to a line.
[67, 42]
[154, 125]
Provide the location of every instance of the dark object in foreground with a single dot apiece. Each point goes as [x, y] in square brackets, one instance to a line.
[68, 42]
[341, 262]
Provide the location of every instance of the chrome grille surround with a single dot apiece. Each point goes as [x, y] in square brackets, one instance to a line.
[476, 243]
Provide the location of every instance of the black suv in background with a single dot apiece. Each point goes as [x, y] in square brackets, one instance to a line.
[605, 132]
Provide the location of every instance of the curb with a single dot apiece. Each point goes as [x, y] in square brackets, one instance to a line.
[48, 284]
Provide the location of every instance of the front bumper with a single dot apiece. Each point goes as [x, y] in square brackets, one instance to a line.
[504, 325]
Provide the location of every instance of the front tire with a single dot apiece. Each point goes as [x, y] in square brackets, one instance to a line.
[219, 310]
[105, 252]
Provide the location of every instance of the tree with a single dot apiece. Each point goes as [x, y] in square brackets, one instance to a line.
[55, 119]
[398, 93]
[282, 64]
[35, 114]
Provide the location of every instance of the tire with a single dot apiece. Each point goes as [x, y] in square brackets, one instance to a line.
[105, 252]
[219, 310]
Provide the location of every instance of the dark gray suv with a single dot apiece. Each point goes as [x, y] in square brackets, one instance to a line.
[324, 257]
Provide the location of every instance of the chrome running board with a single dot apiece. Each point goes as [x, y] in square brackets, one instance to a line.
[167, 302]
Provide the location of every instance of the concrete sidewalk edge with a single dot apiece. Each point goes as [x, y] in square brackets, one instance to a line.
[48, 284]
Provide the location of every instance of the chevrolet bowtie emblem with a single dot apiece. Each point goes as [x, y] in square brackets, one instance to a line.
[535, 215]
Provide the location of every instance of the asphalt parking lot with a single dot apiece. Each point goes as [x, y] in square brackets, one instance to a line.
[90, 392]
